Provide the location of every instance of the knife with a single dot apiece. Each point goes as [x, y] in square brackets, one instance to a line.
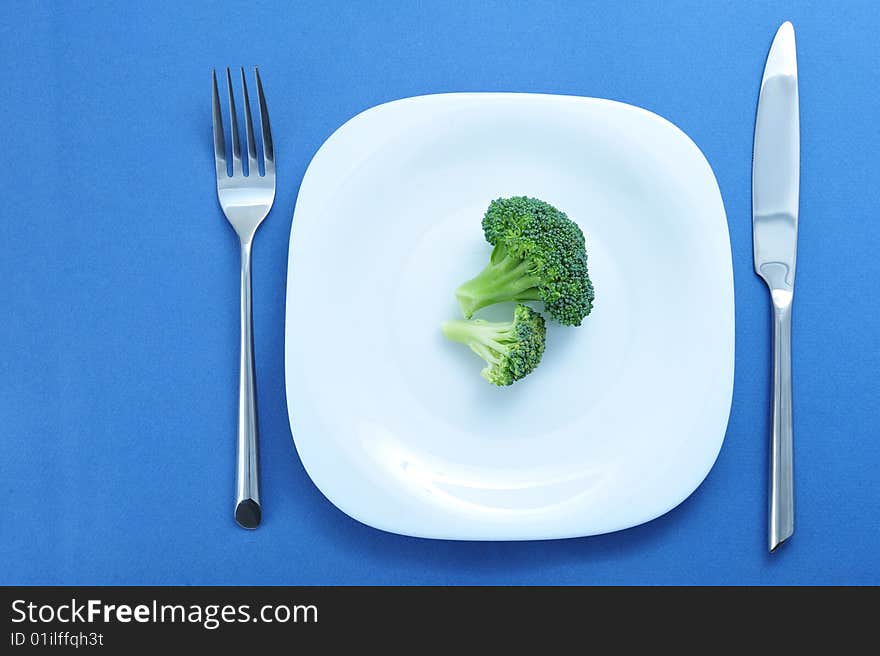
[775, 191]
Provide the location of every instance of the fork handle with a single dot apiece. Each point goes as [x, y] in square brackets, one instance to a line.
[247, 494]
[781, 518]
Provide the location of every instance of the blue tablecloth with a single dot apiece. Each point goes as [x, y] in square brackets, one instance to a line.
[119, 326]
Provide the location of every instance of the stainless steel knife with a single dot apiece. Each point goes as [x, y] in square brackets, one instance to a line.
[775, 192]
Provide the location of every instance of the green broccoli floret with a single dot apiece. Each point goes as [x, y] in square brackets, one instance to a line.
[539, 255]
[511, 349]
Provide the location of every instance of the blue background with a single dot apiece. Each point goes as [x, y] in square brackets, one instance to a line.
[119, 324]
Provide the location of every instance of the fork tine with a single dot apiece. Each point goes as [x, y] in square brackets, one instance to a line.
[219, 141]
[253, 165]
[233, 119]
[268, 149]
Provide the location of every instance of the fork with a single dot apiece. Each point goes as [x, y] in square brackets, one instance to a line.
[246, 200]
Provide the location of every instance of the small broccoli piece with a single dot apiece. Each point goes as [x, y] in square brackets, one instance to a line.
[539, 255]
[511, 349]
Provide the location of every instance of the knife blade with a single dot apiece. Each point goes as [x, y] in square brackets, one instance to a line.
[775, 198]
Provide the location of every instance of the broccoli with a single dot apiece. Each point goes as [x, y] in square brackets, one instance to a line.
[539, 255]
[511, 349]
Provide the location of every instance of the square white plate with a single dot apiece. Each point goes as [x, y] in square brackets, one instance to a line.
[626, 414]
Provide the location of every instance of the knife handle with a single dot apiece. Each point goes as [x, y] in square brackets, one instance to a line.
[781, 457]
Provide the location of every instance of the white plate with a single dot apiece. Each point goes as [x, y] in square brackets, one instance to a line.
[626, 414]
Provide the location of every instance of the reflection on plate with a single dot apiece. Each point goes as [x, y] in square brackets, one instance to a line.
[626, 414]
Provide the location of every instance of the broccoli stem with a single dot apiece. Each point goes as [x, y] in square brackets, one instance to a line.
[505, 278]
[486, 339]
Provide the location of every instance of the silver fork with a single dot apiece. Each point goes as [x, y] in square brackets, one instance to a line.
[246, 200]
